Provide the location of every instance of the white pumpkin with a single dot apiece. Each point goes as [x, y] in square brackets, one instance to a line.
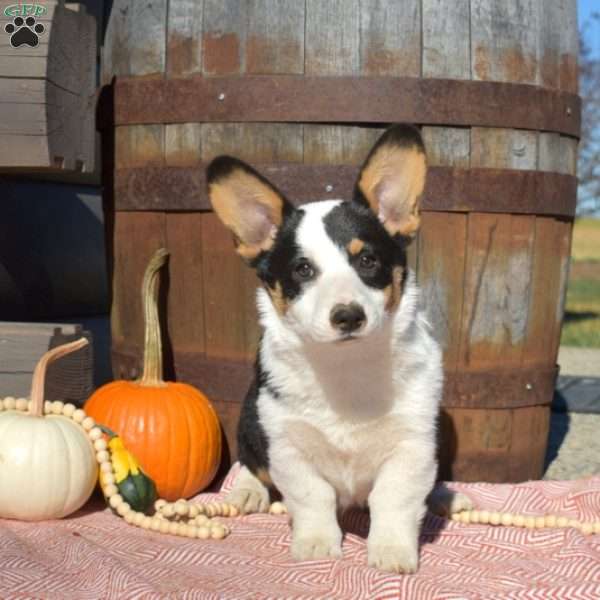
[48, 465]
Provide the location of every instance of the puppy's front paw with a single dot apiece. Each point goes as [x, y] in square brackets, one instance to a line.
[395, 557]
[444, 502]
[306, 546]
[248, 500]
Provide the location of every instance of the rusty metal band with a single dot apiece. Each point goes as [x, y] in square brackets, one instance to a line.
[161, 188]
[228, 381]
[296, 99]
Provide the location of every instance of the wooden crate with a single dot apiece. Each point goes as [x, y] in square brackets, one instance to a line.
[21, 346]
[48, 93]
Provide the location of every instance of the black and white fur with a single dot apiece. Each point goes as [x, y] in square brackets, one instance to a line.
[344, 404]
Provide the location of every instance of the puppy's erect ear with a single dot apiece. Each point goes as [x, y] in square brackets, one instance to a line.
[247, 203]
[392, 179]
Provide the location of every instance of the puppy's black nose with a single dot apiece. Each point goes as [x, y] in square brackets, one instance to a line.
[347, 317]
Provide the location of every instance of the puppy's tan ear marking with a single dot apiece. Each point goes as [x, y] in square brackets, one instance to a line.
[247, 204]
[393, 177]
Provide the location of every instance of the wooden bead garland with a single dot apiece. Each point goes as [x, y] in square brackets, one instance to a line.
[194, 520]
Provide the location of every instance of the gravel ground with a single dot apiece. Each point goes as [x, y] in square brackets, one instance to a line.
[574, 442]
[574, 446]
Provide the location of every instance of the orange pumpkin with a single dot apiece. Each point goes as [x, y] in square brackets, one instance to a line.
[170, 427]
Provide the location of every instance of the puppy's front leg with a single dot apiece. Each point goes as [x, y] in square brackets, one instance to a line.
[397, 506]
[311, 502]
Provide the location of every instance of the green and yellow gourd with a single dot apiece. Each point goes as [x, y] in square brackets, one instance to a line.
[135, 487]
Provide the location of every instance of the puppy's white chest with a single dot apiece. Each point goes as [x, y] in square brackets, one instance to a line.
[346, 455]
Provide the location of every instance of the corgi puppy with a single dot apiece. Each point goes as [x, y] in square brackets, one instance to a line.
[343, 407]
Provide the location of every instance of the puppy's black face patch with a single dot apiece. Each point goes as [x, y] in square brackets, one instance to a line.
[283, 268]
[371, 251]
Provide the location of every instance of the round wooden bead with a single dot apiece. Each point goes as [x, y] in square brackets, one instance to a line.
[203, 533]
[103, 456]
[587, 528]
[193, 511]
[109, 490]
[181, 508]
[519, 521]
[57, 407]
[47, 407]
[506, 519]
[21, 404]
[168, 510]
[78, 416]
[484, 517]
[474, 517]
[597, 527]
[123, 508]
[100, 444]
[95, 433]
[277, 508]
[550, 521]
[155, 524]
[217, 532]
[173, 528]
[106, 467]
[465, 517]
[224, 509]
[158, 505]
[88, 423]
[201, 520]
[574, 523]
[495, 518]
[130, 517]
[164, 526]
[138, 518]
[234, 512]
[146, 522]
[530, 522]
[9, 403]
[115, 500]
[192, 531]
[69, 409]
[182, 529]
[540, 522]
[562, 521]
[455, 517]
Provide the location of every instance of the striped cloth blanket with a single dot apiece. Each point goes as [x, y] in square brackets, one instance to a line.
[95, 554]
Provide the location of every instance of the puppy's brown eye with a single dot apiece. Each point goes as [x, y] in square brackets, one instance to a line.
[368, 262]
[304, 270]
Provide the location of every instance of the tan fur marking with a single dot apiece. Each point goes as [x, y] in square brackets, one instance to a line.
[228, 197]
[355, 246]
[279, 302]
[403, 170]
[393, 292]
[264, 476]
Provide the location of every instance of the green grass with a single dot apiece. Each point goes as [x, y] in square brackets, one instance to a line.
[582, 317]
[581, 326]
[586, 240]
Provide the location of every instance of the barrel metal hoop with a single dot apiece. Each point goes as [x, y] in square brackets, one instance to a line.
[353, 100]
[509, 388]
[448, 189]
[228, 380]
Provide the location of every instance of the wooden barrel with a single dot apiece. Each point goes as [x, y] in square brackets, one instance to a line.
[301, 90]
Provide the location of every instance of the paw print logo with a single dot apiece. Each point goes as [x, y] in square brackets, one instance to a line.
[24, 32]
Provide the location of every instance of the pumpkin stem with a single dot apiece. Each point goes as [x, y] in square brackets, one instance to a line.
[153, 367]
[39, 374]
